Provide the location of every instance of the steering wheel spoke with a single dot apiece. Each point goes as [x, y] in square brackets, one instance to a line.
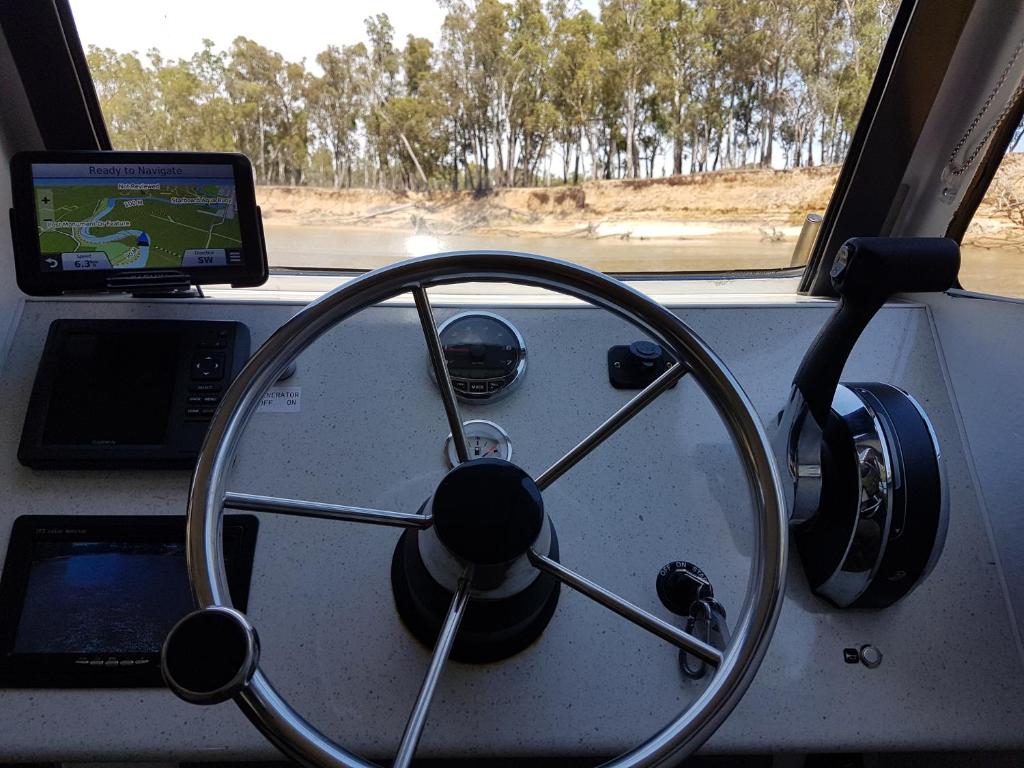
[440, 366]
[625, 609]
[641, 400]
[443, 647]
[250, 502]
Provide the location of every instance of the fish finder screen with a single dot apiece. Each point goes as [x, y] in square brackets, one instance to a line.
[102, 596]
[111, 216]
[112, 389]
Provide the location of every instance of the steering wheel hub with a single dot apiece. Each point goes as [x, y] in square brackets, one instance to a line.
[487, 515]
[488, 512]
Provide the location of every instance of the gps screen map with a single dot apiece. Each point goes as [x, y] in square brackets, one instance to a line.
[113, 216]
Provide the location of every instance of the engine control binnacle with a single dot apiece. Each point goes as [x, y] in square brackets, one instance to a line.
[485, 355]
[866, 492]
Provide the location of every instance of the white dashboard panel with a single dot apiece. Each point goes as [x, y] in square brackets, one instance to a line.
[370, 432]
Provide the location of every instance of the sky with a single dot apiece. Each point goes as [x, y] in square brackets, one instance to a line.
[297, 29]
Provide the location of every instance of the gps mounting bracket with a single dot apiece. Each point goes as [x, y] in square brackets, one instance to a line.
[167, 284]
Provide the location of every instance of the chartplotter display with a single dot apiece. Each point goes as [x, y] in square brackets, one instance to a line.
[116, 216]
[127, 212]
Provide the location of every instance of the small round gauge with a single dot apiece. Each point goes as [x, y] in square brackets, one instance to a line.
[484, 439]
[486, 355]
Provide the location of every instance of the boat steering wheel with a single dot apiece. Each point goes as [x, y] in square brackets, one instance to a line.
[505, 547]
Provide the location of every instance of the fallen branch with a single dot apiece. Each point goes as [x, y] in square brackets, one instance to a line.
[385, 212]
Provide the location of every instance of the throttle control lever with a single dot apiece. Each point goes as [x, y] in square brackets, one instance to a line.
[868, 271]
[866, 493]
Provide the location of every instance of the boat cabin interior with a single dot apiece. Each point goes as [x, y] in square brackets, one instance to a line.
[499, 505]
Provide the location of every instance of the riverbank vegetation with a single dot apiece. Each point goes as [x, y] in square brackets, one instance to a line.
[519, 93]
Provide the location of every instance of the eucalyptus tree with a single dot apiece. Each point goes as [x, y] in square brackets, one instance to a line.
[574, 81]
[514, 84]
[336, 106]
[632, 49]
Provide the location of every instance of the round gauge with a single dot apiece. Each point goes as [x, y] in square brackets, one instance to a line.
[484, 439]
[486, 355]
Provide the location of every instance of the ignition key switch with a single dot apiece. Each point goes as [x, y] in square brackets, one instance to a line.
[686, 590]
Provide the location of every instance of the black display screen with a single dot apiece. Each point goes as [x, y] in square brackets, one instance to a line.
[112, 389]
[110, 394]
[87, 601]
[102, 596]
[480, 347]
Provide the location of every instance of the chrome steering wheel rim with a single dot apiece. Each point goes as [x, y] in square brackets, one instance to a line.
[755, 623]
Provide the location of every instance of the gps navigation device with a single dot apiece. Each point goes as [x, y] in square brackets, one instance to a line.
[134, 221]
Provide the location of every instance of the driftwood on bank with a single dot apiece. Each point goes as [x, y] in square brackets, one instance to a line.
[386, 211]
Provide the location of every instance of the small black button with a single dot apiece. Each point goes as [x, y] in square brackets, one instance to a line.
[208, 411]
[204, 388]
[193, 413]
[851, 655]
[194, 399]
[208, 399]
[477, 386]
[494, 386]
[461, 385]
[645, 354]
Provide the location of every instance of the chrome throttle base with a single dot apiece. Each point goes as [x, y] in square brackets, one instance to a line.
[881, 521]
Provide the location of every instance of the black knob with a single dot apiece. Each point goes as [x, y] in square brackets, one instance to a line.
[681, 584]
[645, 354]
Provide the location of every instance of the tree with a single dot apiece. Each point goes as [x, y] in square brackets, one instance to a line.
[336, 105]
[513, 85]
[574, 78]
[381, 85]
[631, 42]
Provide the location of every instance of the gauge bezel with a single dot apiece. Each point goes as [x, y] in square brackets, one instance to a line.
[511, 381]
[466, 426]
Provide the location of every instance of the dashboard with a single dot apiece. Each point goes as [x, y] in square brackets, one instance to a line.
[360, 422]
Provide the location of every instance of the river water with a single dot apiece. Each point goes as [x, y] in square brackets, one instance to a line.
[297, 246]
[991, 270]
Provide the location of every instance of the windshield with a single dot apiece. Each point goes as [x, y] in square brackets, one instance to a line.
[629, 135]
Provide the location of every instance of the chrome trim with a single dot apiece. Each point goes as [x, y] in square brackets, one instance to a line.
[796, 443]
[250, 502]
[610, 426]
[420, 710]
[643, 619]
[757, 616]
[517, 376]
[440, 367]
[874, 493]
[239, 681]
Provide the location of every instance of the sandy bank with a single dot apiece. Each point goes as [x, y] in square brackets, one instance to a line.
[759, 204]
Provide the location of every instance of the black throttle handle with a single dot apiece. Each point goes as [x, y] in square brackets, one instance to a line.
[866, 272]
